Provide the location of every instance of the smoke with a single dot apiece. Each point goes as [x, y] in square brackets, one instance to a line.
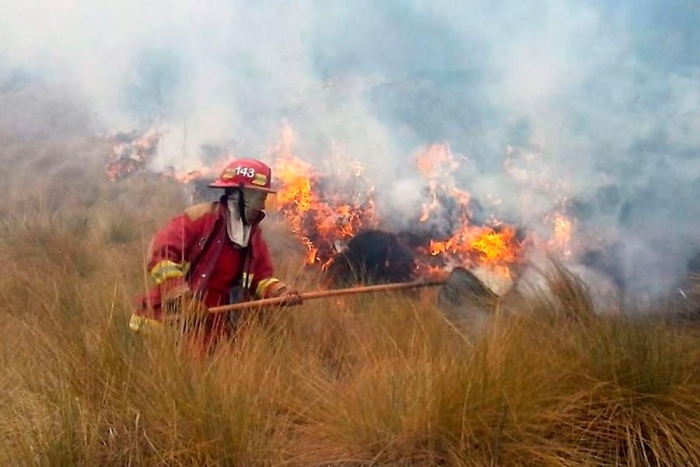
[593, 103]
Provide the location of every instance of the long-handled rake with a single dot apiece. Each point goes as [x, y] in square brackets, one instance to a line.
[459, 279]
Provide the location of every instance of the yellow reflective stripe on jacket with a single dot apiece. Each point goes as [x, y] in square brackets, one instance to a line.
[167, 270]
[263, 285]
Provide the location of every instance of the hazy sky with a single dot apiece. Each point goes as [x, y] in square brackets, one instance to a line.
[604, 94]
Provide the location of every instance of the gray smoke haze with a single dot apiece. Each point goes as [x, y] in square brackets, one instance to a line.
[597, 102]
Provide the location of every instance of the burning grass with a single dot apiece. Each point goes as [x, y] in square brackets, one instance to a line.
[379, 380]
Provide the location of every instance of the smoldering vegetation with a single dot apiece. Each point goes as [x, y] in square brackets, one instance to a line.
[371, 257]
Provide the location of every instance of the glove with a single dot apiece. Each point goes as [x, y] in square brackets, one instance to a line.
[182, 301]
[290, 296]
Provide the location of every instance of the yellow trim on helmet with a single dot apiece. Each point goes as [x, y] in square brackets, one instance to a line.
[259, 179]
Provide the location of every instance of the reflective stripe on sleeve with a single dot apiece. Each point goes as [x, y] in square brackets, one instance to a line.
[141, 323]
[167, 270]
[263, 285]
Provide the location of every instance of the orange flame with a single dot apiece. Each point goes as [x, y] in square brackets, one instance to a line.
[319, 218]
[497, 247]
[563, 229]
[131, 152]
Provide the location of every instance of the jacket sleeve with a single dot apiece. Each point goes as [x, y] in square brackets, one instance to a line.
[262, 279]
[170, 250]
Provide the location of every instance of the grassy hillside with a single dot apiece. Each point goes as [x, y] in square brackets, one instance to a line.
[382, 380]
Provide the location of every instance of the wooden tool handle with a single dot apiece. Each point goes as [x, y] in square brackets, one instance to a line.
[326, 293]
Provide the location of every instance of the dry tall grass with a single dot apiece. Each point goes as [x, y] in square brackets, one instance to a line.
[381, 380]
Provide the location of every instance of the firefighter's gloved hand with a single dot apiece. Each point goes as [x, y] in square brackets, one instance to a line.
[290, 296]
[182, 301]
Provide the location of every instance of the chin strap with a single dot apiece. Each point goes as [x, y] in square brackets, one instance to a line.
[241, 205]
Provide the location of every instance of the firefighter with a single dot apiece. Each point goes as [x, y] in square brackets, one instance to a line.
[214, 254]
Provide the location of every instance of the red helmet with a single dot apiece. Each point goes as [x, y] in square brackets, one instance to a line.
[246, 173]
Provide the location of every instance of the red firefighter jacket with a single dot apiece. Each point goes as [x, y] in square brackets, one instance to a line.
[194, 249]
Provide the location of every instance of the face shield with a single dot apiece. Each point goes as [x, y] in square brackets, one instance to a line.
[247, 204]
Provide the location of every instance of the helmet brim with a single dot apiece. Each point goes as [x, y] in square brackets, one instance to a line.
[248, 187]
